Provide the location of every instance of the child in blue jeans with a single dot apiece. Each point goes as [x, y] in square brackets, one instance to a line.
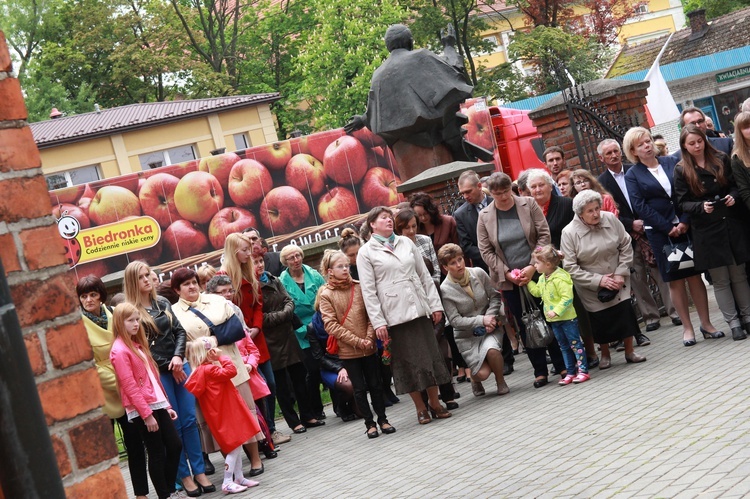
[555, 288]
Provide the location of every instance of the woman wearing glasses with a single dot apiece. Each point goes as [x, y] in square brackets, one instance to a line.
[582, 180]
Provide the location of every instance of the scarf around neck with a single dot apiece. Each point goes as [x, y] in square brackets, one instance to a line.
[100, 320]
[336, 283]
[388, 242]
[464, 282]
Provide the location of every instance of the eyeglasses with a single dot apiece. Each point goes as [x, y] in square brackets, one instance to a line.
[581, 182]
[697, 122]
[295, 256]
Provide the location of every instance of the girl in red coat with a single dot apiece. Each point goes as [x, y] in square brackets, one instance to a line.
[227, 415]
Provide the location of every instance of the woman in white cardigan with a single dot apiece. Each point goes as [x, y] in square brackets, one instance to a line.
[403, 303]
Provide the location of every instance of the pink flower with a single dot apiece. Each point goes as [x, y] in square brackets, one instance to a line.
[516, 273]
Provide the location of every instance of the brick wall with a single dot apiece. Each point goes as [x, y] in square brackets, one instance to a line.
[551, 119]
[43, 292]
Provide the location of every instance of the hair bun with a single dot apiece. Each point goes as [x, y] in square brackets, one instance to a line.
[348, 232]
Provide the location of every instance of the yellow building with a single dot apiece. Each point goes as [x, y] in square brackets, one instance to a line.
[655, 18]
[110, 142]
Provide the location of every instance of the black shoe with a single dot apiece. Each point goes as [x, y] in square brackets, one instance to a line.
[451, 405]
[270, 453]
[619, 346]
[313, 424]
[593, 362]
[712, 336]
[676, 321]
[456, 395]
[196, 492]
[388, 429]
[738, 334]
[540, 382]
[210, 470]
[461, 379]
[507, 369]
[652, 327]
[642, 340]
[370, 433]
[321, 416]
[387, 402]
[392, 397]
[257, 471]
[206, 489]
[348, 417]
[299, 429]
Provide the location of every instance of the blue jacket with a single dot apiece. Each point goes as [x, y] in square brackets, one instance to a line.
[650, 200]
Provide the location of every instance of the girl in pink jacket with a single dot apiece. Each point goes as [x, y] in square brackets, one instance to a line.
[144, 399]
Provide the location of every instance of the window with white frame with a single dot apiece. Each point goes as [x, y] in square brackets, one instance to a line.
[166, 157]
[492, 39]
[76, 176]
[241, 141]
[642, 9]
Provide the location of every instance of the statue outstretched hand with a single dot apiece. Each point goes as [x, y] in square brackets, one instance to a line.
[356, 122]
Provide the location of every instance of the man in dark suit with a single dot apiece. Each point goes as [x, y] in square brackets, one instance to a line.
[694, 116]
[466, 225]
[613, 179]
[260, 247]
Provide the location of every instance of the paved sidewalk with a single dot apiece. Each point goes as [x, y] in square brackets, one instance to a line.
[674, 426]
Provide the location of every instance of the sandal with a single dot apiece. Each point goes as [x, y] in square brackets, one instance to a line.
[233, 488]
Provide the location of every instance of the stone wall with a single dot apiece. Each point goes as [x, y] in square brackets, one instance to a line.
[43, 292]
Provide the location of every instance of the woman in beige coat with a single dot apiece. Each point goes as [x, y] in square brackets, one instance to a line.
[401, 298]
[598, 255]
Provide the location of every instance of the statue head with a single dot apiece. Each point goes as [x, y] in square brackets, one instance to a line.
[398, 36]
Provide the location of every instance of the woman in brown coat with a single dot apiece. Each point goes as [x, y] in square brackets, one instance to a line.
[345, 318]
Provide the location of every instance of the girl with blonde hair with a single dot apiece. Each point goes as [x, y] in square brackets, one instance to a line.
[741, 155]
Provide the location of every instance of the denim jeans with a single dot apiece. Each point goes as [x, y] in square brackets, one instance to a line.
[569, 338]
[183, 403]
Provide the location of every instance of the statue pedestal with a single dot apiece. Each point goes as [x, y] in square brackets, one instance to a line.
[413, 160]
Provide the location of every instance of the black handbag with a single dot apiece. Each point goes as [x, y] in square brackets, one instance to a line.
[538, 332]
[228, 332]
[679, 255]
[606, 294]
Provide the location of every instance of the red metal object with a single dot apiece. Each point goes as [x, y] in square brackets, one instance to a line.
[514, 132]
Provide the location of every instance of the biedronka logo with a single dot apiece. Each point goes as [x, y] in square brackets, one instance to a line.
[104, 241]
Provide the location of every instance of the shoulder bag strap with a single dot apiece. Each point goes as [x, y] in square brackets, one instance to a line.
[351, 301]
[202, 317]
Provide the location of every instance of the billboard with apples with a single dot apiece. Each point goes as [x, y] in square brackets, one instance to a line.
[294, 191]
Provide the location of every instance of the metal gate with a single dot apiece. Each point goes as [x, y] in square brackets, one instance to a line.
[591, 122]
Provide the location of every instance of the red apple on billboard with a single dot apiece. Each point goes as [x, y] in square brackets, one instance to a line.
[317, 143]
[157, 198]
[479, 128]
[274, 156]
[336, 204]
[284, 210]
[306, 174]
[368, 138]
[379, 188]
[345, 160]
[68, 195]
[112, 203]
[249, 181]
[228, 221]
[98, 268]
[180, 169]
[73, 211]
[129, 181]
[84, 204]
[219, 166]
[184, 239]
[198, 197]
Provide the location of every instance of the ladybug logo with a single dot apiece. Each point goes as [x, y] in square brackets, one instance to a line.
[69, 228]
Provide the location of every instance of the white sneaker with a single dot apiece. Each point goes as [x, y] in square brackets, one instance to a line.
[279, 438]
[178, 495]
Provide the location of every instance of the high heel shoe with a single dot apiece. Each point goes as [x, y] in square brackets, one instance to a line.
[440, 412]
[206, 489]
[688, 343]
[712, 336]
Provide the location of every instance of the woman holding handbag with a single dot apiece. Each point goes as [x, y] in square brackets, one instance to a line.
[650, 183]
[598, 254]
[507, 232]
[198, 313]
[705, 189]
[345, 318]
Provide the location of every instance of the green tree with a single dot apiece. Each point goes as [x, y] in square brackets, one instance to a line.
[340, 55]
[27, 24]
[714, 8]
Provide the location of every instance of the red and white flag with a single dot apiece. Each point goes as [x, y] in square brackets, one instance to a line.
[659, 102]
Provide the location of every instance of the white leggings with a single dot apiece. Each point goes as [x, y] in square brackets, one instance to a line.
[233, 466]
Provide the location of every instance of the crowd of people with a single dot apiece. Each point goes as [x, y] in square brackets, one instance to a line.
[417, 298]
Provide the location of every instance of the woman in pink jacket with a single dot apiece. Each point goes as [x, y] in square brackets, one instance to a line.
[144, 399]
